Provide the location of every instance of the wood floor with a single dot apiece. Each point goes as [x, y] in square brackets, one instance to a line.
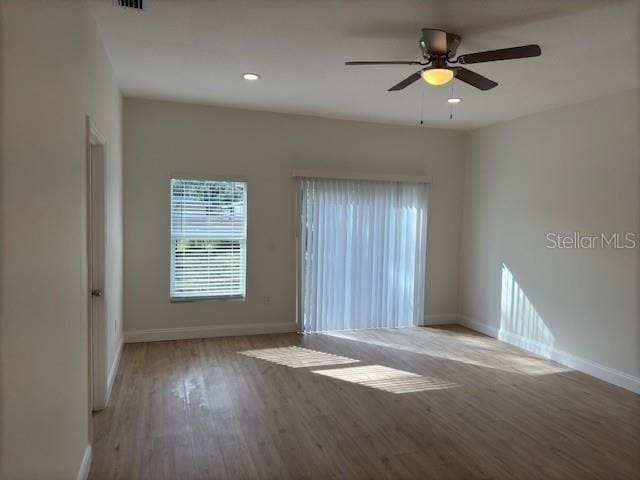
[423, 403]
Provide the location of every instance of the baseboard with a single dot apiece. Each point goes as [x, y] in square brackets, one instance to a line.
[85, 466]
[610, 375]
[440, 319]
[478, 326]
[525, 343]
[113, 371]
[184, 333]
[606, 374]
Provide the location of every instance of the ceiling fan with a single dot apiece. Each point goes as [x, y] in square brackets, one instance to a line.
[439, 49]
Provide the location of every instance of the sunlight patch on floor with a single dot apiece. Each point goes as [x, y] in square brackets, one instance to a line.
[387, 379]
[481, 351]
[298, 357]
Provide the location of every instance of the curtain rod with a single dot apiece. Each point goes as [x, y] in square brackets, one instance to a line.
[342, 175]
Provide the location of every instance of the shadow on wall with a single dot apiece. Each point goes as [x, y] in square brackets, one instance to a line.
[520, 322]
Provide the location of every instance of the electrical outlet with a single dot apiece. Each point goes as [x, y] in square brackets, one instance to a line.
[266, 300]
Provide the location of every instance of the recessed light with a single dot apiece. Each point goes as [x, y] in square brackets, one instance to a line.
[454, 100]
[250, 76]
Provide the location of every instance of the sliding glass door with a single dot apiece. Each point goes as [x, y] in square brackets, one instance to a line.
[362, 254]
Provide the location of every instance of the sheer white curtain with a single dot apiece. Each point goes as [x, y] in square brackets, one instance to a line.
[362, 248]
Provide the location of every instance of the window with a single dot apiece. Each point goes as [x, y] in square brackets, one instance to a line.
[208, 239]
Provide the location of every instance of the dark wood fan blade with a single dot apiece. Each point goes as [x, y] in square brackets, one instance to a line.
[503, 54]
[383, 63]
[474, 79]
[435, 41]
[406, 82]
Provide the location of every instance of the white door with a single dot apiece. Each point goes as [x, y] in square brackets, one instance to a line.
[96, 262]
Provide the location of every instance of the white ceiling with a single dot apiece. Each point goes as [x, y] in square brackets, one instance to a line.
[196, 51]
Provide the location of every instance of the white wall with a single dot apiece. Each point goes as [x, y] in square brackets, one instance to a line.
[572, 169]
[163, 138]
[54, 72]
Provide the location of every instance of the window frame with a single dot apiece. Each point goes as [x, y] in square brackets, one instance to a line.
[210, 298]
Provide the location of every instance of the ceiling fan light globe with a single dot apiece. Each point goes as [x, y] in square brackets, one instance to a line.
[437, 76]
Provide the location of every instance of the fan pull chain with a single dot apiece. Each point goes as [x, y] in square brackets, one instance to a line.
[422, 107]
[451, 104]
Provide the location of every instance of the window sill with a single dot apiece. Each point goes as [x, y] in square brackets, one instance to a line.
[207, 299]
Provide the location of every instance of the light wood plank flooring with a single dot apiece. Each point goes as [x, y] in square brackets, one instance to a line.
[423, 403]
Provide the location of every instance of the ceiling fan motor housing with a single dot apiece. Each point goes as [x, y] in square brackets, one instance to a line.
[453, 42]
[431, 44]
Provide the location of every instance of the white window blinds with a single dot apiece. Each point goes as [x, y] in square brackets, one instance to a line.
[208, 238]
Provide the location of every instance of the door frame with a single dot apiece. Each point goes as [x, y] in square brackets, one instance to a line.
[96, 218]
[299, 256]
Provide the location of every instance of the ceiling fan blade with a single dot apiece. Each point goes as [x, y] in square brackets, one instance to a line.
[384, 63]
[503, 54]
[406, 82]
[474, 79]
[435, 41]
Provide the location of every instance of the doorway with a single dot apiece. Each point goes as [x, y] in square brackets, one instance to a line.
[362, 247]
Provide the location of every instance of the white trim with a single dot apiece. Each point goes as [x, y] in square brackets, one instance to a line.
[539, 348]
[440, 319]
[94, 134]
[299, 258]
[606, 374]
[209, 177]
[337, 174]
[113, 371]
[206, 331]
[85, 466]
[477, 326]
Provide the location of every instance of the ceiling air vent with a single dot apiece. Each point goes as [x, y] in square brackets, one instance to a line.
[135, 4]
